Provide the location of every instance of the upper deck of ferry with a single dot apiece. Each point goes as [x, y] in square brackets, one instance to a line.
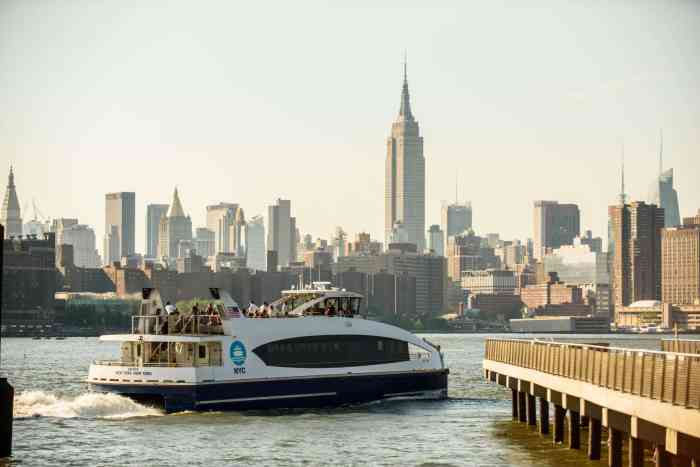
[317, 299]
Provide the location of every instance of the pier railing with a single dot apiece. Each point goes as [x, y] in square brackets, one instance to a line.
[681, 345]
[665, 376]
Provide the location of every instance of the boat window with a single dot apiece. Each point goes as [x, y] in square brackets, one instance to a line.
[333, 351]
[202, 351]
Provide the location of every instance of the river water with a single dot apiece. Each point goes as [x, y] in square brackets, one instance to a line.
[59, 422]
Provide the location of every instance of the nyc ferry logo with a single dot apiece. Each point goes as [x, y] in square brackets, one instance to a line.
[238, 354]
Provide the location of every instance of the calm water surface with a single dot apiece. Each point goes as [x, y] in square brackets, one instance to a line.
[60, 423]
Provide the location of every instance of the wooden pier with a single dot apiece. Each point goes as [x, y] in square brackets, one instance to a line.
[649, 399]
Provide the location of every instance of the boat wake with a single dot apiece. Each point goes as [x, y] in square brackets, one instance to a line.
[88, 405]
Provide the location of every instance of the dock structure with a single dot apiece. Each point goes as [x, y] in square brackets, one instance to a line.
[650, 399]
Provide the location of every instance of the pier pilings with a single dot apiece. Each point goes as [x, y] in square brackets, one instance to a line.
[646, 401]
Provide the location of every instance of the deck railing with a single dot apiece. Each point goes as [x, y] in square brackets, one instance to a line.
[665, 376]
[681, 345]
[186, 324]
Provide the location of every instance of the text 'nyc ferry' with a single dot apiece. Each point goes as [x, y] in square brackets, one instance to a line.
[315, 351]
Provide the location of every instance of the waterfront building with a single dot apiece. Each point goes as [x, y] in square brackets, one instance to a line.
[405, 175]
[429, 272]
[120, 211]
[455, 218]
[636, 262]
[173, 228]
[204, 242]
[490, 281]
[82, 237]
[29, 278]
[660, 315]
[436, 240]
[468, 252]
[664, 195]
[555, 225]
[11, 215]
[580, 265]
[282, 232]
[680, 265]
[154, 214]
[552, 292]
[255, 244]
[221, 219]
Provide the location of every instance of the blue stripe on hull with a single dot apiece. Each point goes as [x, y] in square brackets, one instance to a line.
[288, 393]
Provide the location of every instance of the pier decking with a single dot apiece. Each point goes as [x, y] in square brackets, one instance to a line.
[651, 398]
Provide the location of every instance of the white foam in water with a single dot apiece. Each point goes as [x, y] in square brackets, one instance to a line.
[89, 405]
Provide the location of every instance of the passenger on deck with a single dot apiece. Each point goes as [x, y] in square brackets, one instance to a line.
[265, 310]
[161, 322]
[330, 310]
[214, 318]
[169, 308]
[252, 310]
[285, 313]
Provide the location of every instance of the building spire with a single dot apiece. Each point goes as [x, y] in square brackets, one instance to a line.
[623, 195]
[405, 110]
[176, 206]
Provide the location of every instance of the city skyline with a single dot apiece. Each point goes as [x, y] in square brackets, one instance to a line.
[90, 136]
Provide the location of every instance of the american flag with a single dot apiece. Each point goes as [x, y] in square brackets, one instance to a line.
[233, 312]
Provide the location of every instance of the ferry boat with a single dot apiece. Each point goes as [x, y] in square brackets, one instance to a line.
[314, 350]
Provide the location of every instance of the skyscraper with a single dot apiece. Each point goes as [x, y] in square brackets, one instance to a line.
[281, 232]
[120, 212]
[82, 237]
[173, 228]
[10, 216]
[636, 259]
[405, 175]
[663, 194]
[255, 244]
[555, 225]
[436, 240]
[154, 213]
[456, 218]
[680, 264]
[221, 219]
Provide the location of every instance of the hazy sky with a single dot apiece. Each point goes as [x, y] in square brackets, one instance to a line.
[249, 101]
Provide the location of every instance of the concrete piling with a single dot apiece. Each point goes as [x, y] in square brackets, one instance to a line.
[614, 447]
[514, 394]
[522, 409]
[544, 416]
[559, 414]
[574, 430]
[661, 456]
[594, 438]
[7, 395]
[636, 452]
[531, 415]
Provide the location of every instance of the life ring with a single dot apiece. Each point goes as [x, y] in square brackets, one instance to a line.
[178, 347]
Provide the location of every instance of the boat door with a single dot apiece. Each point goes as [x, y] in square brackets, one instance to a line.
[203, 358]
[139, 353]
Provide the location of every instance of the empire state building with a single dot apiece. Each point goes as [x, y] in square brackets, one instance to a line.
[405, 178]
